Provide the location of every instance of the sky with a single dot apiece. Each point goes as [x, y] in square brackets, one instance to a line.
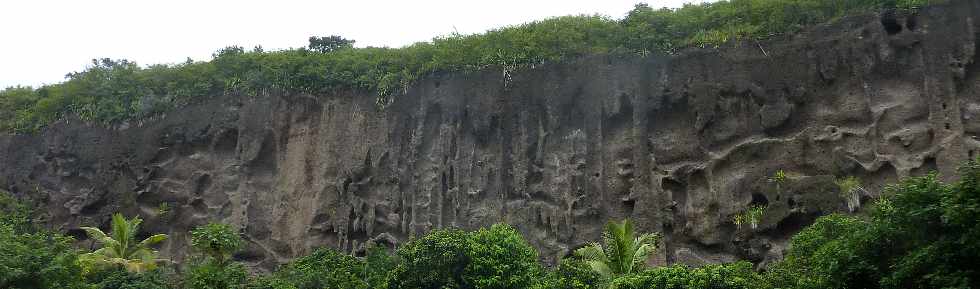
[42, 40]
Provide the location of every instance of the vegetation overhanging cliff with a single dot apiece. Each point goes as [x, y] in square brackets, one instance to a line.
[113, 91]
[688, 145]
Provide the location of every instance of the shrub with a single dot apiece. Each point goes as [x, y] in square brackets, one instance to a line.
[111, 91]
[122, 279]
[272, 282]
[31, 258]
[211, 275]
[924, 234]
[120, 248]
[739, 275]
[574, 274]
[499, 257]
[324, 269]
[495, 257]
[216, 241]
[377, 265]
[437, 260]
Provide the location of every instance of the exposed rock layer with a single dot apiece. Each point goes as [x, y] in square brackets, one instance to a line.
[680, 144]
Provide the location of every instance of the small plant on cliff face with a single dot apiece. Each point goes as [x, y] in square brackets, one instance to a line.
[738, 220]
[623, 252]
[851, 190]
[120, 247]
[163, 210]
[778, 178]
[752, 216]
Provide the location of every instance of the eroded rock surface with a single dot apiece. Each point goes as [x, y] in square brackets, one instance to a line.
[680, 144]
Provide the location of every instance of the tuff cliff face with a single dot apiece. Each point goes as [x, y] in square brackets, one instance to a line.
[680, 144]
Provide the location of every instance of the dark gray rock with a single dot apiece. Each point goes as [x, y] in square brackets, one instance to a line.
[680, 144]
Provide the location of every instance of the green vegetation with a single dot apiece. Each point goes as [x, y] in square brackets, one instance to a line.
[739, 275]
[623, 254]
[850, 190]
[922, 233]
[216, 241]
[117, 278]
[112, 91]
[31, 257]
[753, 215]
[120, 248]
[497, 257]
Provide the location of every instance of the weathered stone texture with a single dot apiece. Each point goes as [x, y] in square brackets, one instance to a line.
[680, 144]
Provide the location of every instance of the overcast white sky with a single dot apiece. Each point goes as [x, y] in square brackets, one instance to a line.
[42, 40]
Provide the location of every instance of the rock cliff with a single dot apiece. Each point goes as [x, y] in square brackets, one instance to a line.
[679, 143]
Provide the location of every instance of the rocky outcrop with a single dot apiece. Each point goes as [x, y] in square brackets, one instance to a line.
[680, 144]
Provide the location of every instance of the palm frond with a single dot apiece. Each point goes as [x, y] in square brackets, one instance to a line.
[602, 268]
[120, 248]
[622, 253]
[153, 240]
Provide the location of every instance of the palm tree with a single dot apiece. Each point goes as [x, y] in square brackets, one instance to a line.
[622, 254]
[120, 248]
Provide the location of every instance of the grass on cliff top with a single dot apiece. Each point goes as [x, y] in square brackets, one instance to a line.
[111, 91]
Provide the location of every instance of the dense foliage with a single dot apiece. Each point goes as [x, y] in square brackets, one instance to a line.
[122, 279]
[30, 257]
[497, 257]
[923, 234]
[739, 275]
[622, 253]
[120, 247]
[572, 273]
[216, 241]
[324, 269]
[112, 91]
[209, 274]
[926, 235]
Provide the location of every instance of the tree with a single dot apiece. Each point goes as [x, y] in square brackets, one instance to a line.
[120, 248]
[378, 263]
[329, 43]
[31, 258]
[435, 261]
[499, 257]
[216, 241]
[116, 278]
[623, 253]
[211, 275]
[738, 275]
[922, 233]
[572, 273]
[324, 269]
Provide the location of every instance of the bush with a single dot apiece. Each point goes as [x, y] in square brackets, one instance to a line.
[574, 274]
[739, 275]
[31, 258]
[435, 261]
[122, 279]
[500, 258]
[211, 275]
[216, 241]
[377, 265]
[271, 282]
[925, 234]
[111, 91]
[324, 269]
[495, 257]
